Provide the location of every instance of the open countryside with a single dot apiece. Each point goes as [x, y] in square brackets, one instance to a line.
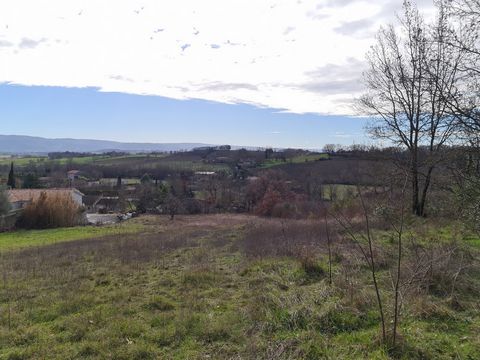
[278, 180]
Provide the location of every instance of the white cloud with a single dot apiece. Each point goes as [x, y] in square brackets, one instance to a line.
[298, 56]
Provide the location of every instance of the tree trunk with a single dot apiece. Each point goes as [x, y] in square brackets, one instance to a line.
[415, 187]
[423, 199]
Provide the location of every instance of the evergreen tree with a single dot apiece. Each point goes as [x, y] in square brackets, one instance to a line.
[145, 179]
[11, 177]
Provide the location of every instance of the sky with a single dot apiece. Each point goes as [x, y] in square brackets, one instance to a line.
[246, 72]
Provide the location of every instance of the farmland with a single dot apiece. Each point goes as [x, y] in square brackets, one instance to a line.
[26, 238]
[147, 161]
[79, 160]
[294, 160]
[212, 286]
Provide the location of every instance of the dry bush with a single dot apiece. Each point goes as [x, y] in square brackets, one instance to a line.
[50, 211]
[439, 269]
[294, 238]
[298, 208]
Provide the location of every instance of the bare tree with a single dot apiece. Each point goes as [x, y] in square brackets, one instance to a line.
[367, 251]
[394, 214]
[408, 73]
[173, 205]
[464, 36]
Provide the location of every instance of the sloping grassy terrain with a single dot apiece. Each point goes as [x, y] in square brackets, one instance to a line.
[295, 160]
[217, 287]
[26, 238]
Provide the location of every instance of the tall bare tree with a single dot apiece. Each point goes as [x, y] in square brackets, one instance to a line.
[409, 71]
[464, 36]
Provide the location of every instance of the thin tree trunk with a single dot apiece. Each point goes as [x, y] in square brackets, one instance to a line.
[399, 266]
[423, 199]
[372, 267]
[415, 187]
[329, 250]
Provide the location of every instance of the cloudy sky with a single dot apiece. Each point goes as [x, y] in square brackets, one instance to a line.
[241, 69]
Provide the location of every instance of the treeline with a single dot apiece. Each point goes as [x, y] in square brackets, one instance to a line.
[72, 154]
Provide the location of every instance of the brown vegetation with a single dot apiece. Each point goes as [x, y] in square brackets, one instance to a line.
[50, 211]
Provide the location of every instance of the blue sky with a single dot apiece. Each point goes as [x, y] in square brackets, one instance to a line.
[131, 70]
[89, 113]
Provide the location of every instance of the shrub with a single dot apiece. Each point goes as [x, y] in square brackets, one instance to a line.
[50, 211]
[292, 238]
[313, 269]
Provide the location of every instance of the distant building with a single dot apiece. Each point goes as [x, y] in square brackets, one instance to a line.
[102, 204]
[207, 173]
[19, 198]
[73, 175]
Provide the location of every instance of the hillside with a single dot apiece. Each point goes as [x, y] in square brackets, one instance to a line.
[213, 286]
[18, 144]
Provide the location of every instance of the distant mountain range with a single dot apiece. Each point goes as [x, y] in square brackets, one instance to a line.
[18, 144]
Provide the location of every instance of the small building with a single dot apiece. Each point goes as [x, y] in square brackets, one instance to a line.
[205, 173]
[73, 175]
[102, 204]
[19, 198]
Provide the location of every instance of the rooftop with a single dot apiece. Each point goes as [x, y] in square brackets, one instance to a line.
[16, 195]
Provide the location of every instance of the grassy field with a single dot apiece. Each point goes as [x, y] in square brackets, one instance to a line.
[295, 160]
[26, 238]
[133, 158]
[83, 160]
[21, 161]
[338, 191]
[215, 287]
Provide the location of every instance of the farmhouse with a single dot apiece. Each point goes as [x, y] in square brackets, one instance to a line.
[74, 175]
[19, 198]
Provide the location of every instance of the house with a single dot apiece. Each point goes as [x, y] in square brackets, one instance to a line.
[73, 175]
[19, 198]
[102, 204]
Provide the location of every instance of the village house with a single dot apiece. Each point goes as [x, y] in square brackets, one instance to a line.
[19, 198]
[73, 175]
[102, 204]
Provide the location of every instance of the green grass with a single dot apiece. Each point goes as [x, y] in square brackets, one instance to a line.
[160, 161]
[338, 191]
[186, 290]
[82, 160]
[153, 161]
[295, 160]
[25, 238]
[21, 161]
[473, 240]
[188, 165]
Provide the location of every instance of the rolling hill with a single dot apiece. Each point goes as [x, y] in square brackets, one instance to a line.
[19, 144]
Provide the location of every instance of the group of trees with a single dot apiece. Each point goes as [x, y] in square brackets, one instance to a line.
[423, 88]
[158, 197]
[28, 181]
